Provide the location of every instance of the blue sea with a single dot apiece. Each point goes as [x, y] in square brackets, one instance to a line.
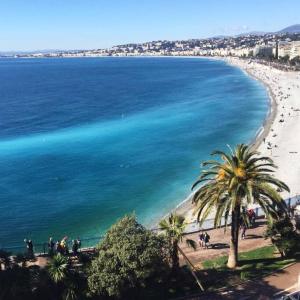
[84, 141]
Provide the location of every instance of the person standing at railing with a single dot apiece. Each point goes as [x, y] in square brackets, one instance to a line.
[29, 246]
[64, 245]
[51, 245]
[79, 243]
[58, 248]
[75, 247]
[76, 244]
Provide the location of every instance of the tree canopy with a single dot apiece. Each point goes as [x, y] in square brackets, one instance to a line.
[234, 181]
[130, 258]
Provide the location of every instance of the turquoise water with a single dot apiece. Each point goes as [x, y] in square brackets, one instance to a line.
[85, 141]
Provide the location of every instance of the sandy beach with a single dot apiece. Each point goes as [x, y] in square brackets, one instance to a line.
[279, 136]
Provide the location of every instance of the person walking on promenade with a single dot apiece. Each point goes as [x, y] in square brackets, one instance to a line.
[51, 245]
[244, 228]
[251, 215]
[206, 240]
[29, 246]
[201, 239]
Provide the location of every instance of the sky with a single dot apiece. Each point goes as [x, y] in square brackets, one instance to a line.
[93, 24]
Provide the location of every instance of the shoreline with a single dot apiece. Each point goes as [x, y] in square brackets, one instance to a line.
[264, 130]
[269, 77]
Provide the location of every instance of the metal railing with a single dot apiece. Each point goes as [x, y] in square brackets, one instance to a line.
[194, 226]
[42, 248]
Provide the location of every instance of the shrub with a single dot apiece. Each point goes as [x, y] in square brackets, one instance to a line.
[130, 259]
[284, 236]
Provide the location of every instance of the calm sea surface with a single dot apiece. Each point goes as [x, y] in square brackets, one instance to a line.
[85, 141]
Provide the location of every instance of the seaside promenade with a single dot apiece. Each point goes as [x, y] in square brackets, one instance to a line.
[219, 243]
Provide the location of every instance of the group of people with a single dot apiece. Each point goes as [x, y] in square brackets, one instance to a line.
[204, 240]
[251, 216]
[62, 246]
[55, 247]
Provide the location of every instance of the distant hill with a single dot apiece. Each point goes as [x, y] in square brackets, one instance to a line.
[291, 29]
[253, 33]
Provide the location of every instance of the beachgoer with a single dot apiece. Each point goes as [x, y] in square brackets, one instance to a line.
[51, 245]
[206, 240]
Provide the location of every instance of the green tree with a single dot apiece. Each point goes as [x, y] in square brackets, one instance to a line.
[129, 259]
[58, 268]
[66, 280]
[284, 236]
[174, 227]
[238, 179]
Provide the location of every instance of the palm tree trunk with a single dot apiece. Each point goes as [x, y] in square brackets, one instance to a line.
[192, 269]
[233, 252]
[174, 255]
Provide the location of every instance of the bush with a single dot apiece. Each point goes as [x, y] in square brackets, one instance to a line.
[284, 237]
[130, 259]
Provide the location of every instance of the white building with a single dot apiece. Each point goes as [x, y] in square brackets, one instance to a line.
[295, 49]
[284, 49]
[263, 50]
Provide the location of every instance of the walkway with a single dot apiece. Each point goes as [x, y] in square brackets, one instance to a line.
[254, 239]
[273, 286]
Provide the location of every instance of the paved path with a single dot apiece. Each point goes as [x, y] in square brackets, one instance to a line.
[254, 239]
[273, 286]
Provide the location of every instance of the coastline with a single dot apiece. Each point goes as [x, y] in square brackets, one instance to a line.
[271, 138]
[265, 128]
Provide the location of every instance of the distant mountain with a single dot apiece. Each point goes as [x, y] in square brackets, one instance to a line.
[12, 53]
[291, 29]
[253, 33]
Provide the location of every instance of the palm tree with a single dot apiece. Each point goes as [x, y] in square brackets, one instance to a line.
[174, 227]
[232, 183]
[58, 268]
[69, 283]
